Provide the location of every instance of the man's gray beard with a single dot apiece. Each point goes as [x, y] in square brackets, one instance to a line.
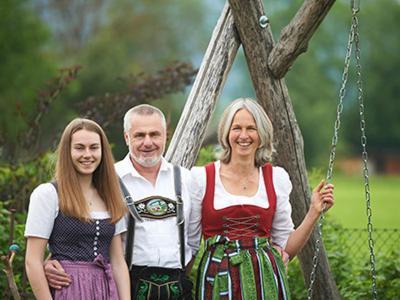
[147, 162]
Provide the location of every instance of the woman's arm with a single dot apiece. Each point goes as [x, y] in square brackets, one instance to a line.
[119, 268]
[34, 267]
[321, 199]
[196, 183]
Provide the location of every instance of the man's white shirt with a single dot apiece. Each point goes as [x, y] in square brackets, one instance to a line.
[156, 242]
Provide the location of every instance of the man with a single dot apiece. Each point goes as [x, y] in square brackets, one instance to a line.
[156, 251]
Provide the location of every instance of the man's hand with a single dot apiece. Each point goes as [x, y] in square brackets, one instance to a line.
[55, 274]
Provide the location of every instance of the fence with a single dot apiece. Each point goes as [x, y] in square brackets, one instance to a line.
[385, 240]
[356, 241]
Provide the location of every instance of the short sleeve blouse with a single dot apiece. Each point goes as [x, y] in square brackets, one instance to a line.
[43, 210]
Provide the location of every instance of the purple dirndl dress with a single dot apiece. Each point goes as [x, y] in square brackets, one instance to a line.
[83, 249]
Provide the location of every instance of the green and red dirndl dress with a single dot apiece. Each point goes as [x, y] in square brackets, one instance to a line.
[239, 261]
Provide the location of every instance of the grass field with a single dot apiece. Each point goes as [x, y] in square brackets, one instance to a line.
[350, 206]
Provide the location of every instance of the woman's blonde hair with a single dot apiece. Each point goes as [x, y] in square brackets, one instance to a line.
[105, 180]
[264, 128]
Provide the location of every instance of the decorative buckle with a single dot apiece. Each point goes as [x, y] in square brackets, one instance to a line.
[156, 207]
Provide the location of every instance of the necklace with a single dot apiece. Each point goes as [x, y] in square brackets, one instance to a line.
[244, 183]
[89, 196]
[237, 179]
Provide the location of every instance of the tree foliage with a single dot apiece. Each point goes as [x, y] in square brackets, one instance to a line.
[315, 79]
[24, 66]
[381, 64]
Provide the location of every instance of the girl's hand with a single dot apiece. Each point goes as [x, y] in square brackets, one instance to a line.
[322, 197]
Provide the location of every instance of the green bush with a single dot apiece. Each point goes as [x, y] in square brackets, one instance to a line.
[353, 277]
[18, 180]
[206, 155]
[18, 238]
[16, 183]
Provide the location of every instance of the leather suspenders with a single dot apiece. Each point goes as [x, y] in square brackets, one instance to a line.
[130, 235]
[134, 216]
[180, 213]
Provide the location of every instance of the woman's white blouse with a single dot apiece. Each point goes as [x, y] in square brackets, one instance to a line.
[43, 209]
[282, 224]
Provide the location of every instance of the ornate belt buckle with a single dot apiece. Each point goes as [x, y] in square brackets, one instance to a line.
[156, 207]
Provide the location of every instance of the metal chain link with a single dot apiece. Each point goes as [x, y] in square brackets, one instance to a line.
[332, 155]
[357, 55]
[353, 37]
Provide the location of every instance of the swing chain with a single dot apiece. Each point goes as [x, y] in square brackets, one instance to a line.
[339, 110]
[342, 93]
[353, 37]
[365, 158]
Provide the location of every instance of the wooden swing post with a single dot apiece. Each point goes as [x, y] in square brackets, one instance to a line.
[221, 52]
[268, 62]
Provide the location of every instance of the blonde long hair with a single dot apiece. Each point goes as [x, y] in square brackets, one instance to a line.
[71, 200]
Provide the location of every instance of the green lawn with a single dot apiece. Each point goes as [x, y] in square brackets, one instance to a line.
[350, 206]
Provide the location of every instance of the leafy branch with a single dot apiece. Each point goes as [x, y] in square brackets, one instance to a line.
[142, 88]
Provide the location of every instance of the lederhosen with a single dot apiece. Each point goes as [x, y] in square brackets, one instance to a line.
[239, 261]
[148, 283]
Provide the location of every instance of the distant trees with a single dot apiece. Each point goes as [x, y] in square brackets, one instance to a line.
[381, 65]
[114, 42]
[25, 65]
[315, 79]
[105, 45]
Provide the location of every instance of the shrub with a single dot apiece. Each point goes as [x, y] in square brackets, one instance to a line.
[16, 183]
[352, 276]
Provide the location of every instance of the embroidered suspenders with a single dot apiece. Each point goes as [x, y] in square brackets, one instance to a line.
[156, 207]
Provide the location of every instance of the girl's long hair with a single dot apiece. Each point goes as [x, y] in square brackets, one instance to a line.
[71, 200]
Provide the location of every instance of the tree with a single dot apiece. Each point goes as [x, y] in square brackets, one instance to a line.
[25, 64]
[381, 63]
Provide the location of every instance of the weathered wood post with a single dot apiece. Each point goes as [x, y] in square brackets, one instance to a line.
[217, 61]
[272, 93]
[268, 63]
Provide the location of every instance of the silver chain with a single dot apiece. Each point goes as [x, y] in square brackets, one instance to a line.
[339, 110]
[365, 157]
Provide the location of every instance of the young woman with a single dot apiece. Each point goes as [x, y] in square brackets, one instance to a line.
[246, 211]
[80, 217]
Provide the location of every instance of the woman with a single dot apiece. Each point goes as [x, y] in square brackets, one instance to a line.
[246, 211]
[79, 216]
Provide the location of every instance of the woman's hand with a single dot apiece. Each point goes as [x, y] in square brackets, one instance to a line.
[322, 198]
[284, 255]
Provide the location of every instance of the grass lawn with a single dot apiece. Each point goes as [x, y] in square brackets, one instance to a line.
[350, 206]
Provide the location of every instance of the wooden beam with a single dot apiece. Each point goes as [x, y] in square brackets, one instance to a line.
[217, 61]
[273, 96]
[295, 36]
